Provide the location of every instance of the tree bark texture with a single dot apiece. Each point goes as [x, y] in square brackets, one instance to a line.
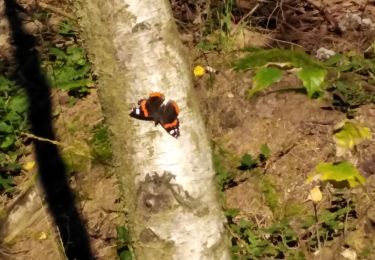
[168, 183]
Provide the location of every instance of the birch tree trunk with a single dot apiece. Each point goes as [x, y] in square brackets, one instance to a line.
[168, 184]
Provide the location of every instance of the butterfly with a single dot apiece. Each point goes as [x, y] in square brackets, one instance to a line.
[154, 108]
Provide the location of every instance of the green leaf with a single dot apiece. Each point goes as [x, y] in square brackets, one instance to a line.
[18, 104]
[259, 57]
[265, 151]
[264, 77]
[247, 161]
[123, 235]
[313, 79]
[335, 60]
[5, 84]
[74, 85]
[66, 28]
[7, 142]
[6, 182]
[5, 128]
[339, 172]
[76, 55]
[231, 212]
[125, 255]
[123, 241]
[350, 134]
[59, 54]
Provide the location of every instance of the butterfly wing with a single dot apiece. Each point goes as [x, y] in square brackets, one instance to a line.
[169, 120]
[148, 109]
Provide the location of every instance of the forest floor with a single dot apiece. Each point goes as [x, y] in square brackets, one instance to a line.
[264, 146]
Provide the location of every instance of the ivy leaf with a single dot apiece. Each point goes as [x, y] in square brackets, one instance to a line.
[338, 173]
[350, 134]
[313, 80]
[264, 77]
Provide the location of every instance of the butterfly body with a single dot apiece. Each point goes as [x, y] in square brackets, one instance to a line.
[154, 108]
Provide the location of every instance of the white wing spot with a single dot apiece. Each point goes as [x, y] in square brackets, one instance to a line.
[137, 111]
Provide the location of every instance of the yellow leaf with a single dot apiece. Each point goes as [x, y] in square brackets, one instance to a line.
[199, 71]
[315, 194]
[350, 134]
[42, 236]
[29, 165]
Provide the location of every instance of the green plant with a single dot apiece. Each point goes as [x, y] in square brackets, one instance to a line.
[66, 28]
[248, 162]
[339, 174]
[349, 134]
[219, 33]
[13, 107]
[270, 194]
[223, 176]
[270, 64]
[123, 243]
[69, 70]
[101, 145]
[342, 75]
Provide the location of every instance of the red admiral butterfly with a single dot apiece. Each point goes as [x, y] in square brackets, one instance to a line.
[155, 109]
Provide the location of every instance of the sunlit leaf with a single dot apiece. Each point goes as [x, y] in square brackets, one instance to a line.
[260, 57]
[313, 80]
[315, 194]
[42, 236]
[29, 165]
[264, 77]
[338, 172]
[265, 151]
[351, 134]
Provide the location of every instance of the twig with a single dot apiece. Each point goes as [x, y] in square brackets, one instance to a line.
[327, 15]
[42, 139]
[55, 10]
[317, 225]
[245, 16]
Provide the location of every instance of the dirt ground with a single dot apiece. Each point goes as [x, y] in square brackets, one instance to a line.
[296, 129]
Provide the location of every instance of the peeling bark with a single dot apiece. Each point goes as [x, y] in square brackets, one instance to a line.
[168, 184]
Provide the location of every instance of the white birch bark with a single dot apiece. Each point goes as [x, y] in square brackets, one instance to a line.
[168, 183]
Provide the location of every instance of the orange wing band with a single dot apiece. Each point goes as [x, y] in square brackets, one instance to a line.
[174, 104]
[156, 94]
[143, 107]
[170, 125]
